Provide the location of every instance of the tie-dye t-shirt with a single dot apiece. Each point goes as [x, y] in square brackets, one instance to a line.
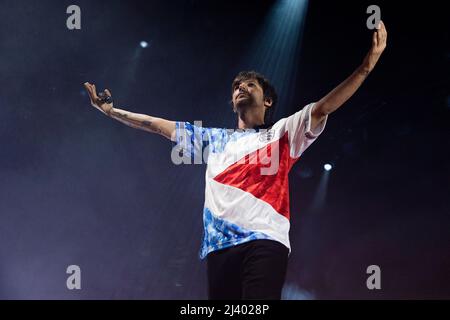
[247, 187]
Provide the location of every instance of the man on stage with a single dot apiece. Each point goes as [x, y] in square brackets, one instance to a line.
[246, 211]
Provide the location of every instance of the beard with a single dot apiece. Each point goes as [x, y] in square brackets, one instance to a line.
[244, 103]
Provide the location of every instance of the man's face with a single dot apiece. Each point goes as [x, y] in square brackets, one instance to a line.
[247, 93]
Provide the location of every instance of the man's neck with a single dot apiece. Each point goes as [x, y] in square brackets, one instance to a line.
[250, 119]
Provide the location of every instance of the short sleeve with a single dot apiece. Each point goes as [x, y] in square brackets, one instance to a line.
[194, 141]
[301, 136]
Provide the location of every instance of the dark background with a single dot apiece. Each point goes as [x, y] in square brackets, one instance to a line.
[79, 188]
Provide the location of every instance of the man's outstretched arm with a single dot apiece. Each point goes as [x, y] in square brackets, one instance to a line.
[145, 122]
[339, 95]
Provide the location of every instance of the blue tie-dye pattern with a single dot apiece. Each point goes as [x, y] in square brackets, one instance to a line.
[194, 139]
[220, 234]
[200, 138]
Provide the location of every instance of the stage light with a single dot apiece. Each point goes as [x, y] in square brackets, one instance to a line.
[327, 167]
[144, 44]
[276, 47]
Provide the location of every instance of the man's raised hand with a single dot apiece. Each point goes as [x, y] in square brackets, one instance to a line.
[96, 101]
[379, 38]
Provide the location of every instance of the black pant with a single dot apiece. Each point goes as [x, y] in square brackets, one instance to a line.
[252, 270]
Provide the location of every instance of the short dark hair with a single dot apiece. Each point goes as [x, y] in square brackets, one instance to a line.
[268, 90]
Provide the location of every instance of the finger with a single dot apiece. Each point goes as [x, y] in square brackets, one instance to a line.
[383, 35]
[383, 30]
[380, 25]
[383, 38]
[374, 39]
[379, 37]
[94, 92]
[87, 85]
